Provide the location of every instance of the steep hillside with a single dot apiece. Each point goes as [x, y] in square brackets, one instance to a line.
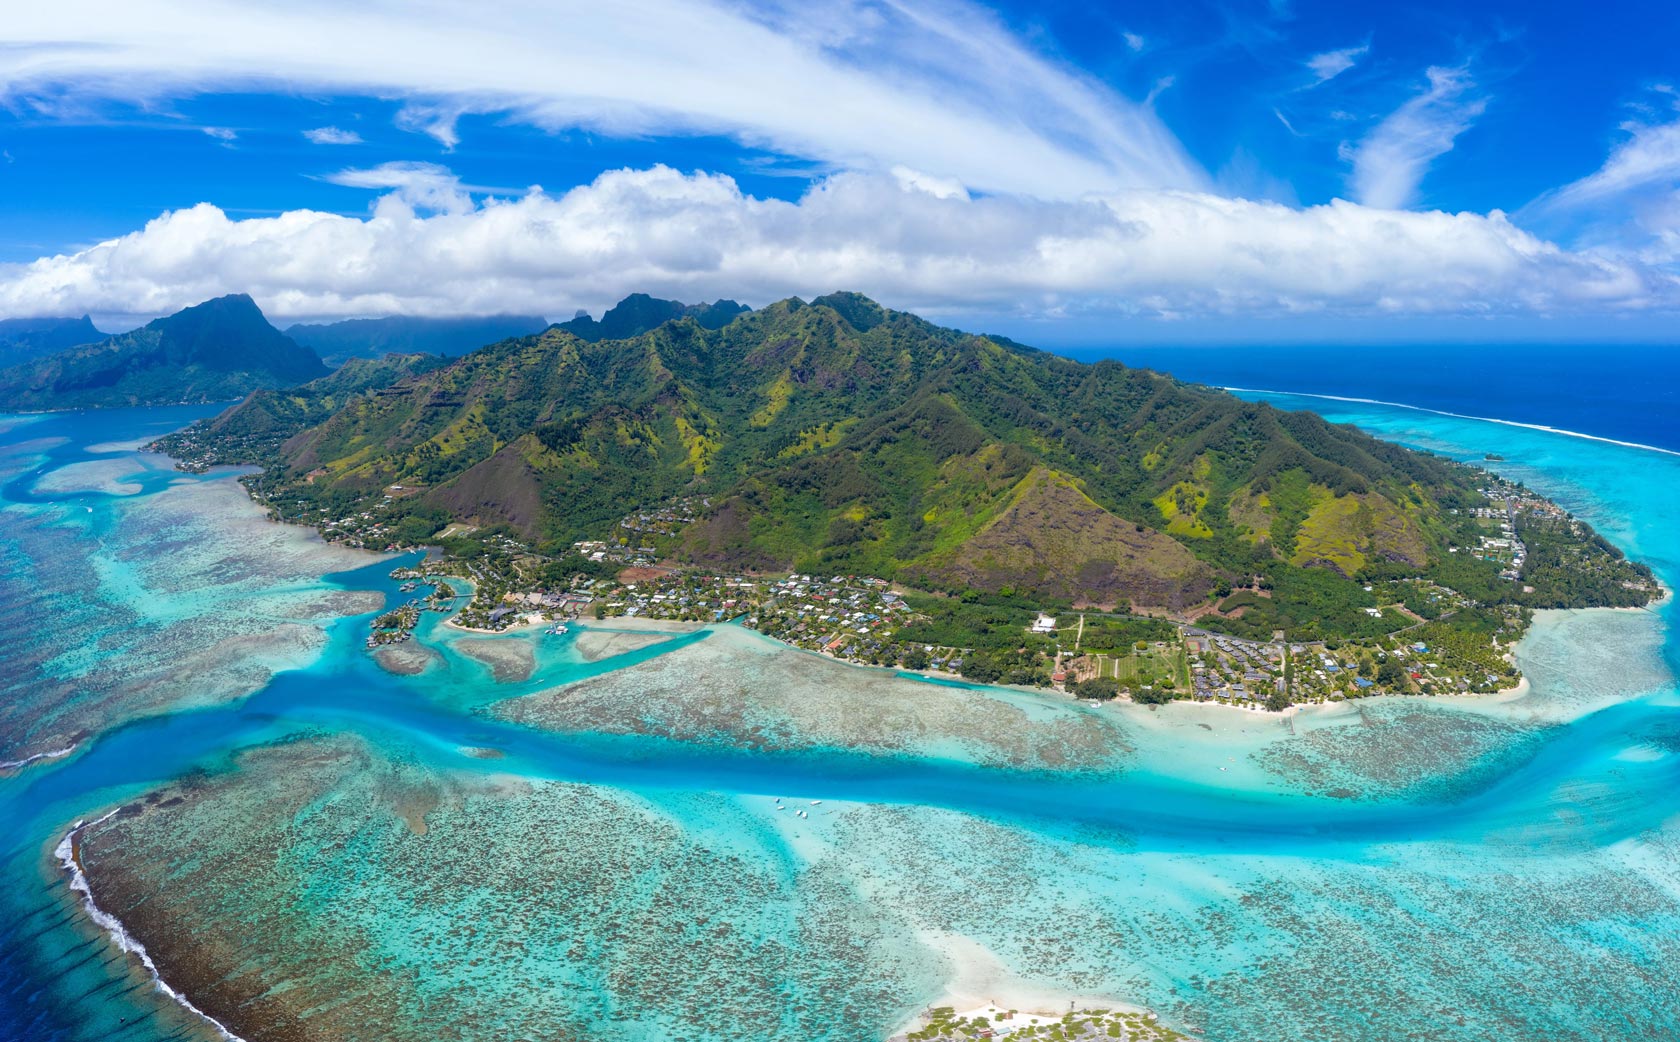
[337, 342]
[838, 436]
[218, 350]
[255, 428]
[22, 339]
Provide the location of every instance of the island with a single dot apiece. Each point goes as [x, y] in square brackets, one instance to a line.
[866, 485]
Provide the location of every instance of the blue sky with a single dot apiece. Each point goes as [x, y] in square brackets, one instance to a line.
[1190, 172]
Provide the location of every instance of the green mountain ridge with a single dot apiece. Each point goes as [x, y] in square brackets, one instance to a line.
[338, 342]
[23, 339]
[638, 313]
[215, 351]
[839, 436]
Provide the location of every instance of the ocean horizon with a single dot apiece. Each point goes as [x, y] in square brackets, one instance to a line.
[1624, 392]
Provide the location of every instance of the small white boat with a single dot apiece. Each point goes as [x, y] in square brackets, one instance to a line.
[816, 803]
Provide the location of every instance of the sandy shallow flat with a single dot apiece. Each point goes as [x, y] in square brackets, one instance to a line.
[106, 476]
[594, 645]
[407, 659]
[511, 661]
[738, 687]
[628, 624]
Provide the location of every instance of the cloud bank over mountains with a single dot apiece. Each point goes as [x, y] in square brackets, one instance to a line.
[960, 170]
[426, 250]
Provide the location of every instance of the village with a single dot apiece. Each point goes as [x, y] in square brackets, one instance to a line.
[1502, 546]
[867, 620]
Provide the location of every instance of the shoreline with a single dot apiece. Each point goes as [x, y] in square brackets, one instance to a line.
[639, 624]
[1512, 693]
[69, 859]
[979, 982]
[1025, 1000]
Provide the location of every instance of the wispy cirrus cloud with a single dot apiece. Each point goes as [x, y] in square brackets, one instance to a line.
[1328, 65]
[1632, 200]
[417, 186]
[332, 136]
[1390, 162]
[1648, 158]
[939, 85]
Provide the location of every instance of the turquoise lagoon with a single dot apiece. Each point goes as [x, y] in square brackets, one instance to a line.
[610, 847]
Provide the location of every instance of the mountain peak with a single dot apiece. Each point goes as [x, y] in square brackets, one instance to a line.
[639, 313]
[219, 349]
[862, 313]
[22, 339]
[232, 305]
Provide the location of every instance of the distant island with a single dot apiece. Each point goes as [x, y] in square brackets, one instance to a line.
[216, 351]
[373, 338]
[862, 482]
[24, 339]
[224, 349]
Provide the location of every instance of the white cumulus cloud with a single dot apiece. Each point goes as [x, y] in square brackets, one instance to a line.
[699, 236]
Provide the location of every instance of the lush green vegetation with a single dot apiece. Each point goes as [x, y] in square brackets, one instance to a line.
[1571, 566]
[837, 437]
[975, 619]
[1119, 634]
[1100, 688]
[1466, 646]
[22, 339]
[253, 431]
[219, 350]
[1306, 604]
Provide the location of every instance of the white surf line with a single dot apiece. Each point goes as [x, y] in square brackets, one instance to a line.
[1462, 416]
[66, 854]
[50, 754]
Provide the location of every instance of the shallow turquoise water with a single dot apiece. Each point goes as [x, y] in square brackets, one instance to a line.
[1530, 891]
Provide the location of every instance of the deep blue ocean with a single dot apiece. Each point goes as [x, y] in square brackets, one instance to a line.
[1623, 392]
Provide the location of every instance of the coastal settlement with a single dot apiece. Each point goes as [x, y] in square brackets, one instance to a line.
[1246, 647]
